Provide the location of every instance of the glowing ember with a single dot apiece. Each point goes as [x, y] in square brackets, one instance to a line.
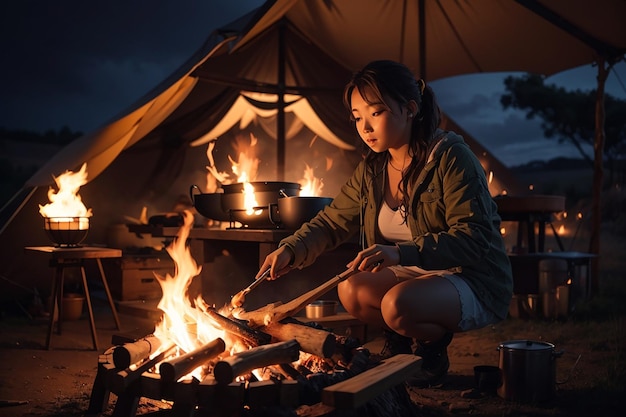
[66, 204]
[311, 186]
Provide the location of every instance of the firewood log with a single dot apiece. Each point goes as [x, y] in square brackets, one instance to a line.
[122, 379]
[230, 367]
[173, 369]
[131, 353]
[358, 390]
[252, 336]
[314, 341]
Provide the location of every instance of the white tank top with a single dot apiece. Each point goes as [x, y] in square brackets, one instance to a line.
[391, 224]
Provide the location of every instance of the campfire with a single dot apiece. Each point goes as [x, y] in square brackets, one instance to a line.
[66, 218]
[228, 361]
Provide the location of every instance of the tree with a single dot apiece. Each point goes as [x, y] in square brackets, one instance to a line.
[569, 116]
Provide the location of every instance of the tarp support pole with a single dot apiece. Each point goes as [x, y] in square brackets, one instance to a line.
[280, 118]
[422, 32]
[598, 174]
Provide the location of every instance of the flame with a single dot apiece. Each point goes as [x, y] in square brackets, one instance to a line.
[310, 185]
[66, 203]
[213, 175]
[247, 164]
[184, 323]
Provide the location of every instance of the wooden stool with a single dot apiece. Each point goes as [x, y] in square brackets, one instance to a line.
[63, 257]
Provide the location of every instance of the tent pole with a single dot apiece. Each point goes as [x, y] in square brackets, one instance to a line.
[598, 174]
[422, 31]
[280, 118]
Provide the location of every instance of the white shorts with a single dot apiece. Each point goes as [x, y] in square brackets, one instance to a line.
[473, 314]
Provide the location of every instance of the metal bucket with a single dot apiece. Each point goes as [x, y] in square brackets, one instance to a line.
[528, 371]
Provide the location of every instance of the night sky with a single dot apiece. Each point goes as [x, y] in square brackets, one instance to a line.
[81, 63]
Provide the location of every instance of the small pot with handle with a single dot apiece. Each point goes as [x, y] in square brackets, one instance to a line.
[293, 211]
[528, 370]
[208, 204]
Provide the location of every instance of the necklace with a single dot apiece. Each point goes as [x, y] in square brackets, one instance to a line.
[392, 166]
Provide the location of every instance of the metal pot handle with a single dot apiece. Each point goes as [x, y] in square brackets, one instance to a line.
[191, 194]
[270, 212]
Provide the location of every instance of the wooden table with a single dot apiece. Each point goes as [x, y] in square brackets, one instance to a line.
[63, 257]
[530, 211]
[266, 239]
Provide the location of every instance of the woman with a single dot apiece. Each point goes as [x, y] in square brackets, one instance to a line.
[433, 260]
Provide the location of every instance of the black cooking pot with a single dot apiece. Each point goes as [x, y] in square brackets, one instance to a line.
[294, 211]
[265, 193]
[208, 204]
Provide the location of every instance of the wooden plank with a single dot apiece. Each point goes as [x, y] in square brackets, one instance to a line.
[358, 390]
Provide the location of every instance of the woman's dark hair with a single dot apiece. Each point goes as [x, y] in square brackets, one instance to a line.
[382, 80]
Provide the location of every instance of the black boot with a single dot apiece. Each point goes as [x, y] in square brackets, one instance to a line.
[395, 344]
[435, 362]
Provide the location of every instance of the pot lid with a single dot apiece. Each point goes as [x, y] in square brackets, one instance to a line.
[526, 345]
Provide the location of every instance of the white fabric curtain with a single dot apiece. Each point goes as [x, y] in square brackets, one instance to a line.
[244, 112]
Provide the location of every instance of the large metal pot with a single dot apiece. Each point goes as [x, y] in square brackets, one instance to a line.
[294, 211]
[208, 204]
[528, 370]
[265, 193]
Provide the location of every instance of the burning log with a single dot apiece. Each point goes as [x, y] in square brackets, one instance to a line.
[228, 368]
[174, 369]
[130, 353]
[314, 341]
[253, 337]
[123, 379]
[273, 313]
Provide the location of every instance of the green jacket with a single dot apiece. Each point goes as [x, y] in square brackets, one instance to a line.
[453, 220]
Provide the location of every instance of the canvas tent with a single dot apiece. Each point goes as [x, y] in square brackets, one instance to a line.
[143, 156]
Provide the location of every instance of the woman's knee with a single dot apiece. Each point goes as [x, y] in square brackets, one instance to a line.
[395, 307]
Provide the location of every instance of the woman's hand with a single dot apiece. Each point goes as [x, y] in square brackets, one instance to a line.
[279, 263]
[375, 258]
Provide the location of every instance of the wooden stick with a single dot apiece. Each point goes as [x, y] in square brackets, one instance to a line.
[314, 341]
[174, 369]
[273, 313]
[228, 368]
[130, 353]
[356, 391]
[254, 337]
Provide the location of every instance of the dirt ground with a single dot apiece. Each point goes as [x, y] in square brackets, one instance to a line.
[58, 382]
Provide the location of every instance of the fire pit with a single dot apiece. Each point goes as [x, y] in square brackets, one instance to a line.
[220, 363]
[271, 379]
[66, 231]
